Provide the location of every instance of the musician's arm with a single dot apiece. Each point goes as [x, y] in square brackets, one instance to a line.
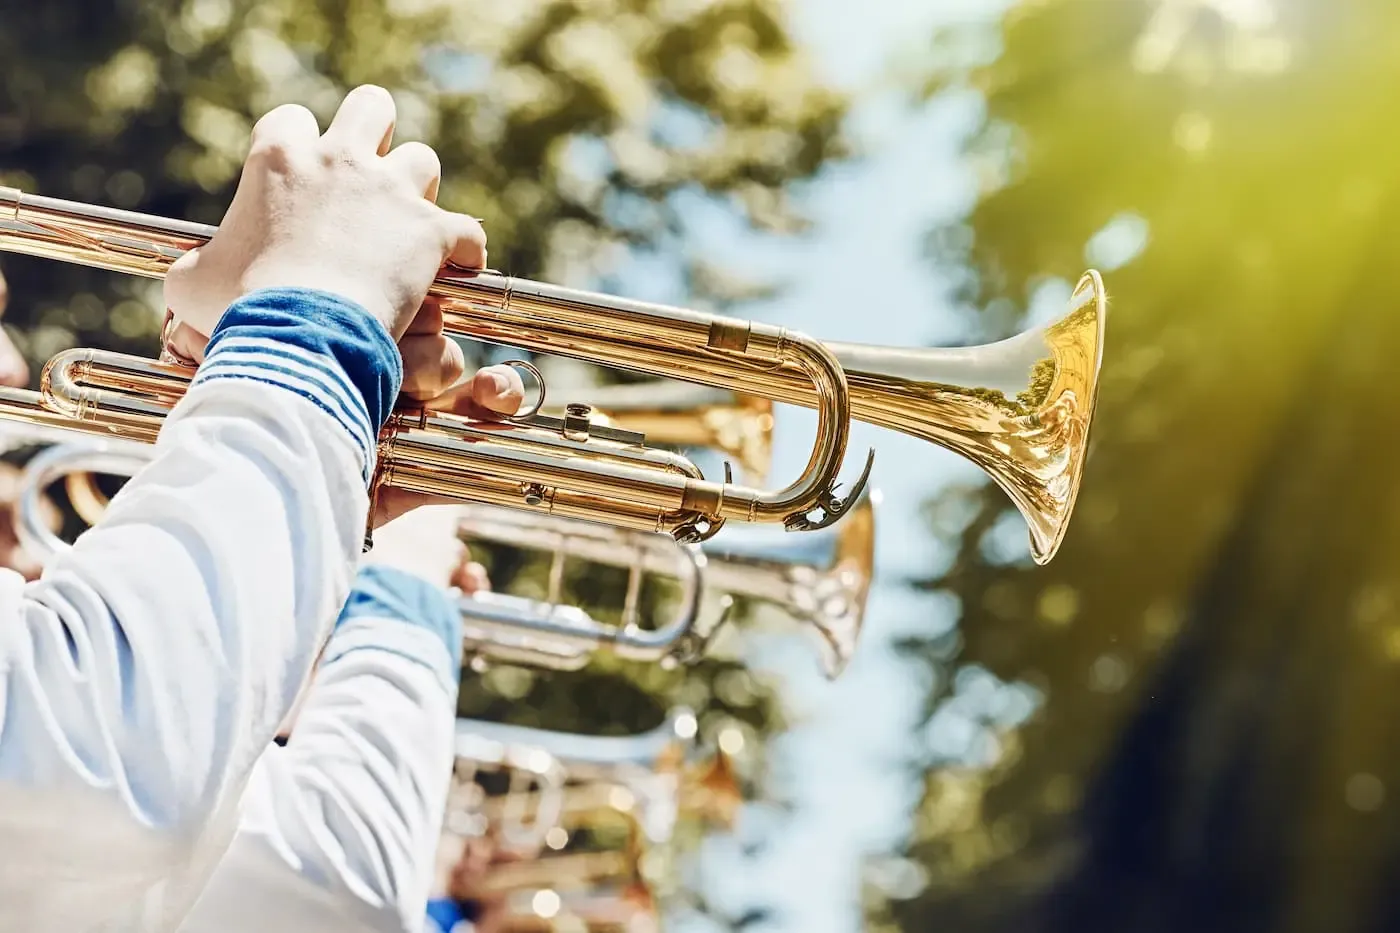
[339, 828]
[148, 670]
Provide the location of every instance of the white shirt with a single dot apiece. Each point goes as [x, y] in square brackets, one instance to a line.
[145, 675]
[339, 828]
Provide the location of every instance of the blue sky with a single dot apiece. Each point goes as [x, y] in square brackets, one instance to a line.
[859, 277]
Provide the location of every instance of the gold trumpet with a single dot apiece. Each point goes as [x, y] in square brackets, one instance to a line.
[1020, 408]
[537, 782]
[676, 414]
[822, 580]
[643, 805]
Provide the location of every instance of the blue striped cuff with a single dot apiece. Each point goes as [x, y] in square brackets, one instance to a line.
[325, 348]
[382, 592]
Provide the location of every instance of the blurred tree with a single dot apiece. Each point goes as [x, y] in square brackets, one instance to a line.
[582, 131]
[1214, 651]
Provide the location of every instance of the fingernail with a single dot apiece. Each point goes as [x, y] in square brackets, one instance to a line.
[500, 384]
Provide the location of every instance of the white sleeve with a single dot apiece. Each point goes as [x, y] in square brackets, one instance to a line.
[148, 670]
[339, 829]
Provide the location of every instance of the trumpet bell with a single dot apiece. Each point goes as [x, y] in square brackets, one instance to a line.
[1020, 409]
[822, 579]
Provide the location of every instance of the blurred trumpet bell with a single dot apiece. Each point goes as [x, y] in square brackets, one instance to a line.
[647, 781]
[627, 909]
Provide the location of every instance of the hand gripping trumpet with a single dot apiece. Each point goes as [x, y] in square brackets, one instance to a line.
[822, 580]
[1020, 409]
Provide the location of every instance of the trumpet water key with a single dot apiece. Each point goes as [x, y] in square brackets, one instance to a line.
[822, 580]
[1020, 408]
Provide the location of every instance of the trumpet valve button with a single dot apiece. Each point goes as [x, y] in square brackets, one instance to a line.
[578, 421]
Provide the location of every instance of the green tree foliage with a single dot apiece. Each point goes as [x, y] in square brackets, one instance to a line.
[1216, 646]
[573, 127]
[580, 130]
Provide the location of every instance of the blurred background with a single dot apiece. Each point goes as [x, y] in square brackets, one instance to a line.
[1188, 720]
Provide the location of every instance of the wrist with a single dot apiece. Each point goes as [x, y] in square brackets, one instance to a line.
[318, 345]
[315, 277]
[385, 595]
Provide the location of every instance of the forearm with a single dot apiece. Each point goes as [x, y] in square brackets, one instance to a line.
[347, 816]
[149, 668]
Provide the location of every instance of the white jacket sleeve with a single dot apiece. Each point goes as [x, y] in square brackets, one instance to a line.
[339, 829]
[148, 670]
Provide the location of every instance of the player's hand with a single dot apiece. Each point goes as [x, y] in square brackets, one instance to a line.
[433, 367]
[338, 211]
[468, 576]
[467, 882]
[432, 379]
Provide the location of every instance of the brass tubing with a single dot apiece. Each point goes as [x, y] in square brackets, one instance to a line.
[144, 245]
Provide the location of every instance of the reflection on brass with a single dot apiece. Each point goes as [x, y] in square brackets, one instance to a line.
[822, 580]
[77, 460]
[642, 782]
[950, 396]
[87, 499]
[573, 870]
[684, 414]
